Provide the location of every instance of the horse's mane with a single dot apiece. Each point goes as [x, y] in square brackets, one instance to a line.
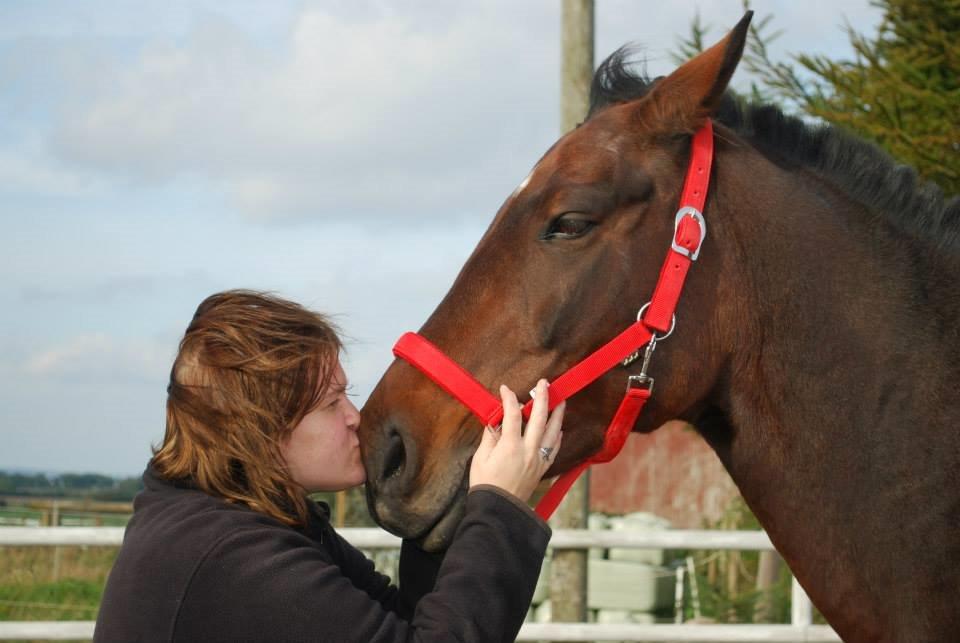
[861, 169]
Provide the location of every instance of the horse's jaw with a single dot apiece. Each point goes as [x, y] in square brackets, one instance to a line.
[430, 516]
[440, 535]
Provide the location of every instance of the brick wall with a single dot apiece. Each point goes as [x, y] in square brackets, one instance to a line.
[671, 473]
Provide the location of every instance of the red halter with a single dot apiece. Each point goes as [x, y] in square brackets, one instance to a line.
[689, 232]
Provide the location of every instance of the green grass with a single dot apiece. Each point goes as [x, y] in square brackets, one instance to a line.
[70, 599]
[52, 583]
[34, 517]
[66, 583]
[19, 514]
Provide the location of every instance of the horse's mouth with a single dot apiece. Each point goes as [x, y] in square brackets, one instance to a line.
[434, 531]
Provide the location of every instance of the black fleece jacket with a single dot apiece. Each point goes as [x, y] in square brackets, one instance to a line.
[195, 568]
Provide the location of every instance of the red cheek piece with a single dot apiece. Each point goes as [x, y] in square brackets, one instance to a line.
[456, 381]
[689, 234]
[449, 376]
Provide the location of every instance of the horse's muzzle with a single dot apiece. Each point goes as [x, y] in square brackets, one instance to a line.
[390, 472]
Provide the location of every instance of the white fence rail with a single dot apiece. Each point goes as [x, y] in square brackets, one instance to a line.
[800, 628]
[377, 538]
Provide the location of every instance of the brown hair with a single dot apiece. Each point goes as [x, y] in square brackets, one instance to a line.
[249, 367]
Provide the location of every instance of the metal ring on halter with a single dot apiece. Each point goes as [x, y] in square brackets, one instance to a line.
[673, 324]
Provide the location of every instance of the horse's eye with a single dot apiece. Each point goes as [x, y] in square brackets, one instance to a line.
[568, 226]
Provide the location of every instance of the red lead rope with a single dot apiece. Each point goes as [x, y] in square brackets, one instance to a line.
[689, 232]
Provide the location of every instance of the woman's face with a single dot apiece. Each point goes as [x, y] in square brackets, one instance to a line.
[323, 451]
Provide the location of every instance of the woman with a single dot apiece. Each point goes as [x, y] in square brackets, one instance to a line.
[224, 544]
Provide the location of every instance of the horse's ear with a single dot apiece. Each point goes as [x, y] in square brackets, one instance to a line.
[686, 98]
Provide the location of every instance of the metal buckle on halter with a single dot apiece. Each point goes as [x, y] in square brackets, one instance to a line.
[640, 381]
[698, 217]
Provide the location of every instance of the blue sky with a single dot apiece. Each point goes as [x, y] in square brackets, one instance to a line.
[345, 154]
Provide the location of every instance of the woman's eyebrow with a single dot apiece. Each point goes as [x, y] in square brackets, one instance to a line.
[336, 389]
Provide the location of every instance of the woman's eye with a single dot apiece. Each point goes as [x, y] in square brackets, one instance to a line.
[340, 397]
[333, 403]
[568, 227]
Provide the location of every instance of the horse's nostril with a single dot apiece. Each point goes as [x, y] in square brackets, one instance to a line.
[395, 457]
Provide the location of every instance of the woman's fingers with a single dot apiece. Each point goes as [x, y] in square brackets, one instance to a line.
[538, 414]
[487, 441]
[516, 460]
[555, 451]
[551, 434]
[511, 414]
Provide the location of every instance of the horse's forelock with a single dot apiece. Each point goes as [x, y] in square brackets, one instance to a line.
[620, 78]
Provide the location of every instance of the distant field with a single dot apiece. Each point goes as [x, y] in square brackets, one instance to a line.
[52, 583]
[22, 516]
[66, 583]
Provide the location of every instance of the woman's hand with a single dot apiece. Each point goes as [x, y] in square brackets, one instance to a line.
[511, 460]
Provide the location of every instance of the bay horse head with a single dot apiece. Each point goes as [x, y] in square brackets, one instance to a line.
[816, 347]
[565, 264]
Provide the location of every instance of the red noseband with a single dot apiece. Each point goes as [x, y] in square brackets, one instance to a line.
[656, 316]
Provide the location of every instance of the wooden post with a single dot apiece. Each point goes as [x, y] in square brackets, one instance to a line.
[768, 569]
[694, 589]
[57, 552]
[576, 66]
[733, 581]
[678, 596]
[568, 569]
[341, 509]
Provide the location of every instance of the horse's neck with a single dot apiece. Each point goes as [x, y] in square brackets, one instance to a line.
[839, 413]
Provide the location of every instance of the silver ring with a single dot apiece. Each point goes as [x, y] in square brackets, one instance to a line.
[545, 453]
[673, 323]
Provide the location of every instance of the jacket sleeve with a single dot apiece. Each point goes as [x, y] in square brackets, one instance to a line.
[418, 572]
[486, 581]
[280, 586]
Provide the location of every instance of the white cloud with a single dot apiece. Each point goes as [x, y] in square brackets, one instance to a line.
[24, 169]
[98, 355]
[362, 109]
[359, 114]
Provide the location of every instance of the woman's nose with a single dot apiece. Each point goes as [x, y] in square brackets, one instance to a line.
[353, 415]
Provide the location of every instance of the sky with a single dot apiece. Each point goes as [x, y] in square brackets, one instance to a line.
[344, 154]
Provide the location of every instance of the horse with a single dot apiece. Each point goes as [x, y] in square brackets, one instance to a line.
[816, 348]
